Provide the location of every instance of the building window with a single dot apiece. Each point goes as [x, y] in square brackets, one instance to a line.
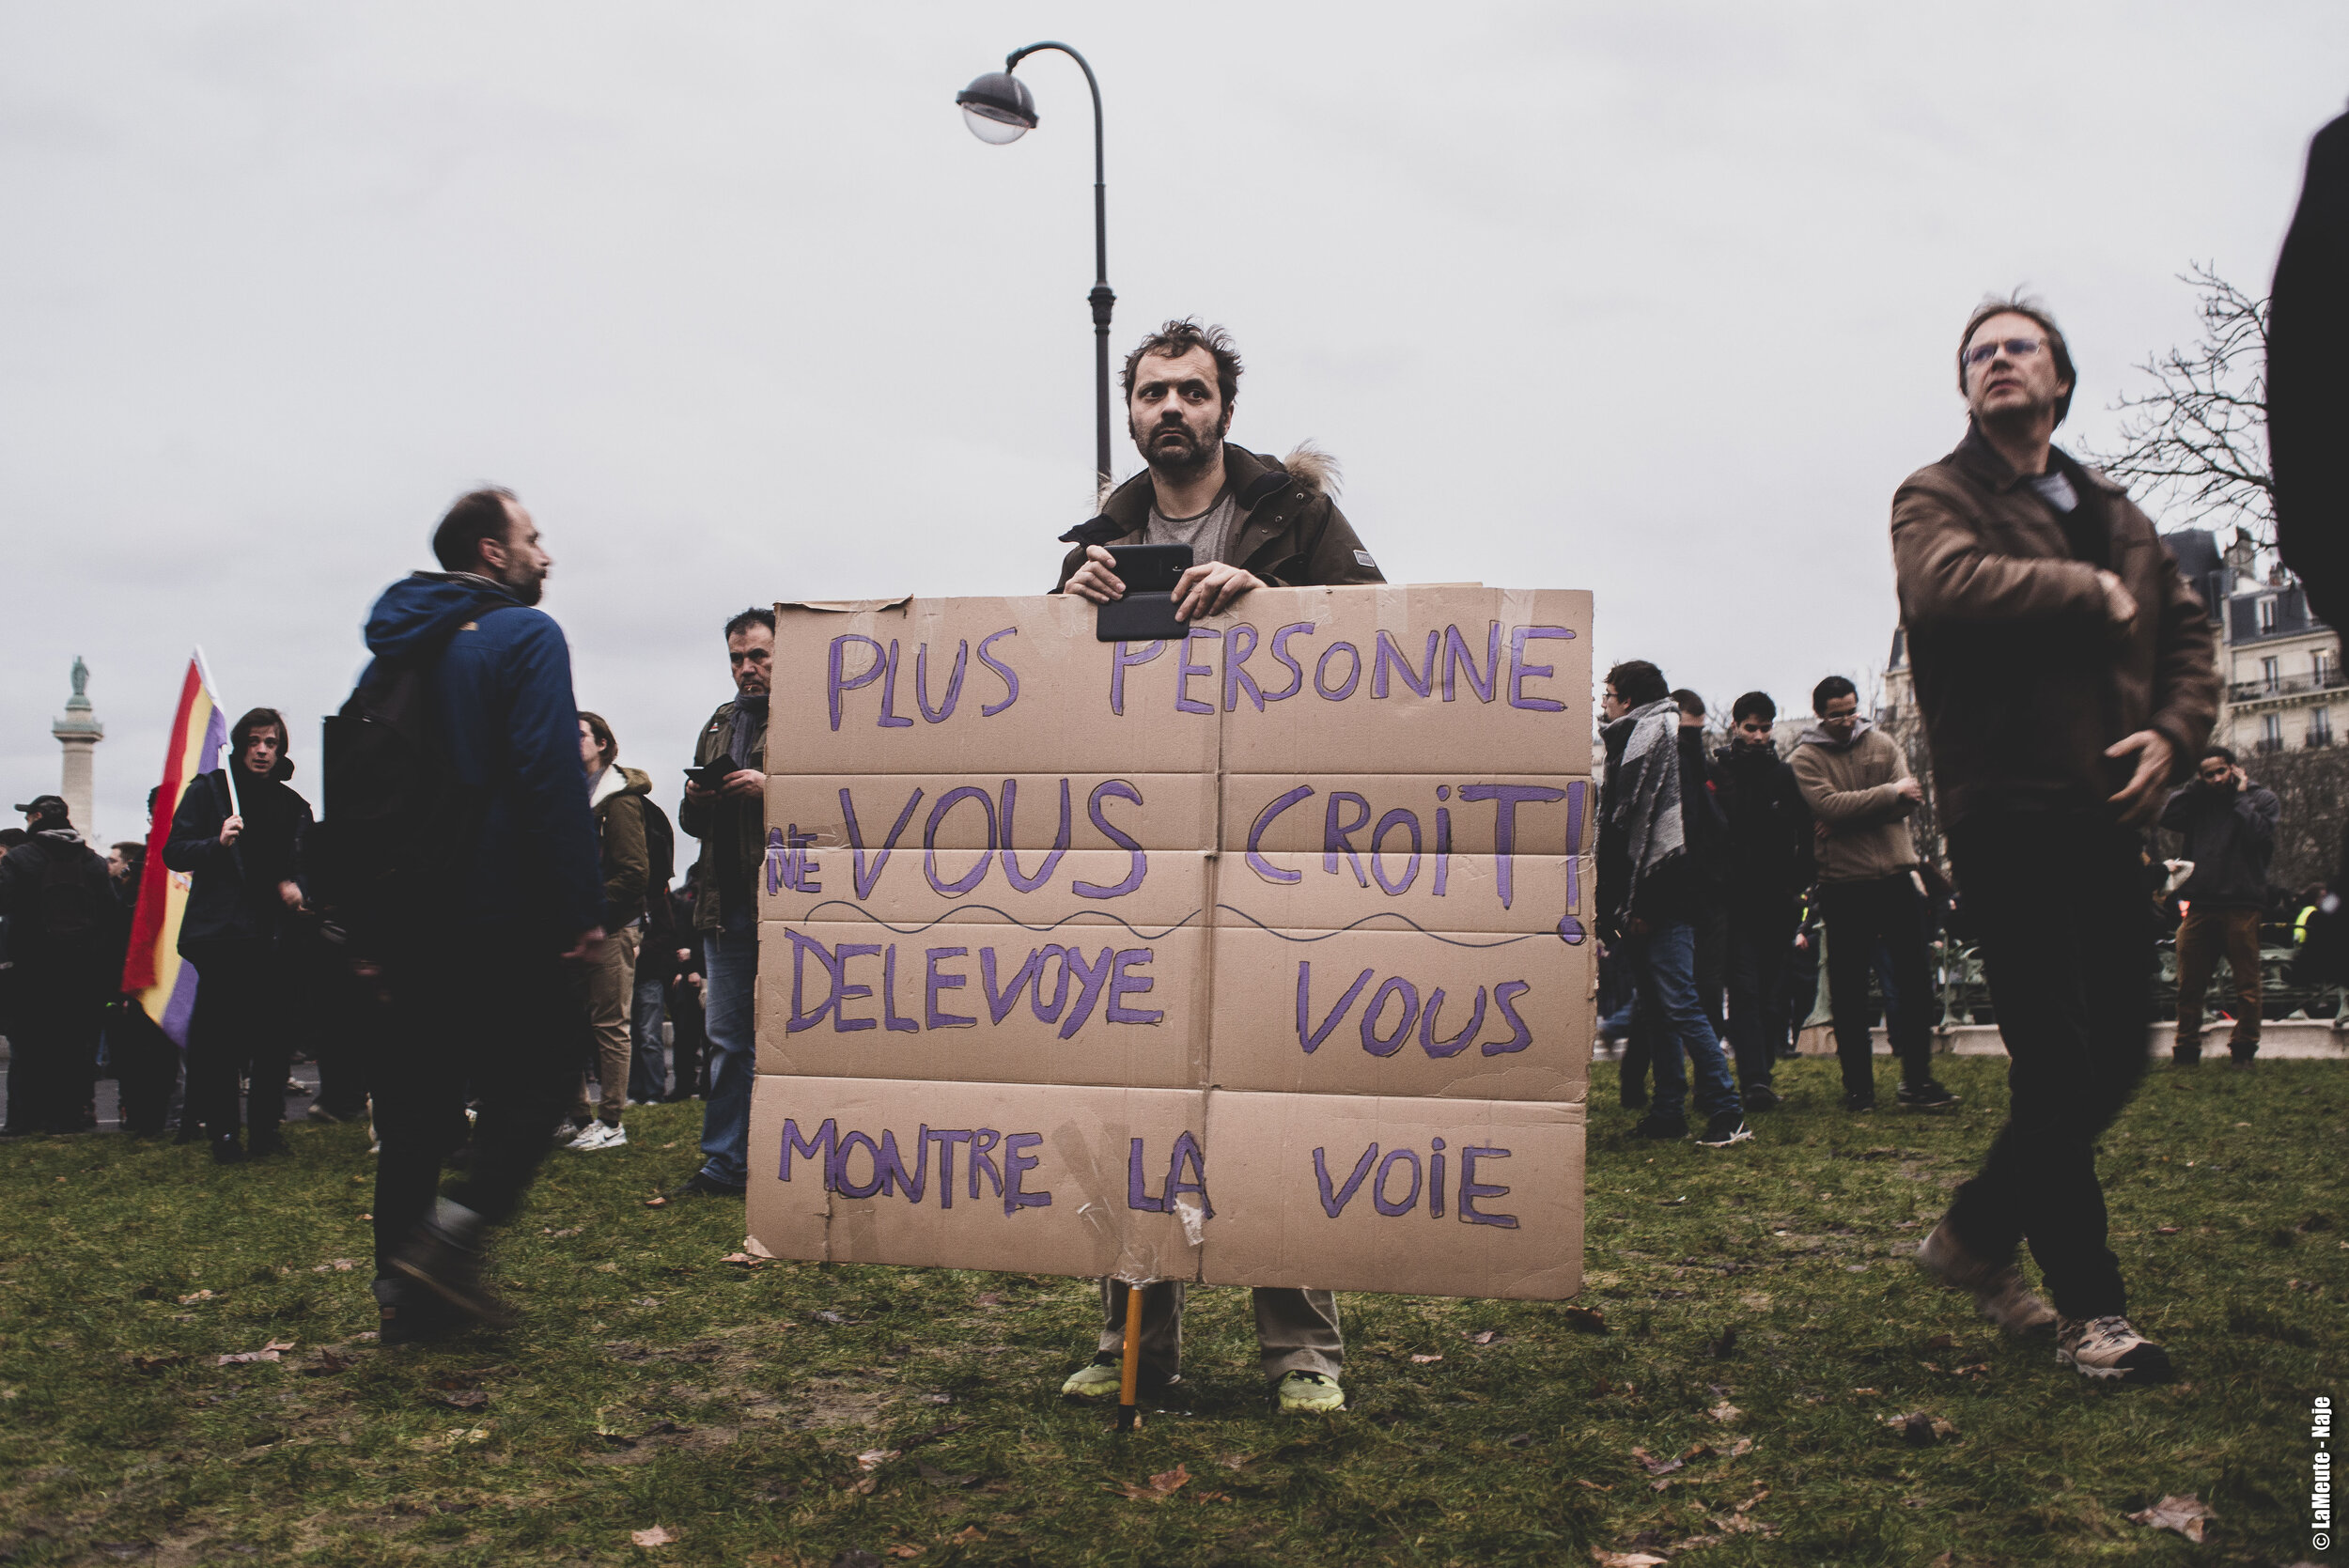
[2271, 672]
[2320, 726]
[2267, 612]
[2324, 664]
[2271, 732]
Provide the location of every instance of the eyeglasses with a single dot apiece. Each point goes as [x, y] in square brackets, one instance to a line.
[2014, 347]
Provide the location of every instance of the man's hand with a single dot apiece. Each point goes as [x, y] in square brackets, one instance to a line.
[1208, 590]
[290, 892]
[697, 795]
[230, 830]
[1910, 789]
[744, 783]
[1094, 579]
[2120, 605]
[590, 944]
[2141, 797]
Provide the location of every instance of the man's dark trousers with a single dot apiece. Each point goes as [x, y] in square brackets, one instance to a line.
[240, 1029]
[2058, 900]
[1858, 916]
[498, 1015]
[53, 1052]
[1759, 947]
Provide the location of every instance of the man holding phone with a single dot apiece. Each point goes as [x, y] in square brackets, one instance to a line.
[1251, 519]
[725, 807]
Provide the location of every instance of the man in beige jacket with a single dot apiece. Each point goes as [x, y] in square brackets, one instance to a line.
[1860, 792]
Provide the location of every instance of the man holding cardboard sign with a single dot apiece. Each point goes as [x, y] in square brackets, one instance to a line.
[1250, 519]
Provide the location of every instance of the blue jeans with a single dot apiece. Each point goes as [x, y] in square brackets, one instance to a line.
[1664, 967]
[649, 1070]
[728, 1007]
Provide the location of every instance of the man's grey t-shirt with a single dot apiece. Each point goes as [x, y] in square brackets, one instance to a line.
[1210, 533]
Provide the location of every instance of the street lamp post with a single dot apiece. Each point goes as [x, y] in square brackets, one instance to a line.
[998, 109]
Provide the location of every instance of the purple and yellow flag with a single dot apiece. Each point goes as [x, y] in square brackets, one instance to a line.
[154, 973]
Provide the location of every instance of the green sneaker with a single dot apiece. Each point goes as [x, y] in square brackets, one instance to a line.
[1308, 1391]
[1097, 1380]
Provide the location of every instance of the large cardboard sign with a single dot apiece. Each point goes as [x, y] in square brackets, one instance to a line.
[1255, 957]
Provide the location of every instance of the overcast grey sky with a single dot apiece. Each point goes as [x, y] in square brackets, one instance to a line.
[1657, 301]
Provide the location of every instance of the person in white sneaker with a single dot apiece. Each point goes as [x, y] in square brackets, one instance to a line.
[607, 978]
[2065, 671]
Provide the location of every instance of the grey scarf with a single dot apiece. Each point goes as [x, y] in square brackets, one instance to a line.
[1647, 796]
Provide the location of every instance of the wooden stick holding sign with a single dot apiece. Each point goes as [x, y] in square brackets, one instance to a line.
[1130, 1366]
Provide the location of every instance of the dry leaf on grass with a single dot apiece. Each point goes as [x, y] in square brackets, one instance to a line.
[192, 1300]
[1725, 1412]
[1485, 1337]
[745, 1259]
[653, 1537]
[1742, 1446]
[1236, 1461]
[1591, 1485]
[1421, 1361]
[1690, 1543]
[1606, 1559]
[1162, 1485]
[656, 1202]
[967, 1535]
[2184, 1515]
[873, 1459]
[904, 1551]
[1922, 1429]
[273, 1351]
[1741, 1524]
[1654, 1465]
[566, 1230]
[466, 1399]
[1211, 1496]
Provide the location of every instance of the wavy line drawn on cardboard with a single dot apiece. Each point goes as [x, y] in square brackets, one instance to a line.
[1522, 895]
[1423, 1015]
[1148, 890]
[1086, 1004]
[1409, 1196]
[1035, 1177]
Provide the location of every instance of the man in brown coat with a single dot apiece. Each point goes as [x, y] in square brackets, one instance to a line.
[2065, 671]
[1855, 781]
[1251, 521]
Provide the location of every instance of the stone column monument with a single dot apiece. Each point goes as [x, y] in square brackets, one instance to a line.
[79, 732]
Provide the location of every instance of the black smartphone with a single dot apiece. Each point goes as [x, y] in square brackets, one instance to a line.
[1146, 613]
[709, 775]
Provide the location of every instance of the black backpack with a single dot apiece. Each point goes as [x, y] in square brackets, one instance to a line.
[70, 913]
[659, 848]
[398, 824]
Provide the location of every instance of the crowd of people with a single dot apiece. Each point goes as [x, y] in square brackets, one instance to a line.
[488, 923]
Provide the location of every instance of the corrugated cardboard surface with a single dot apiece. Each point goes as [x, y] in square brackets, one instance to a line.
[1463, 892]
[1147, 888]
[1025, 810]
[1273, 1155]
[1035, 687]
[1382, 791]
[1083, 1004]
[1388, 813]
[1075, 1148]
[1378, 1012]
[1507, 674]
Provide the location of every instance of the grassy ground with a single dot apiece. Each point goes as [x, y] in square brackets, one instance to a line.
[1752, 1296]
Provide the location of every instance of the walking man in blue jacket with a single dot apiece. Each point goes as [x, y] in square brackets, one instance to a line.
[478, 993]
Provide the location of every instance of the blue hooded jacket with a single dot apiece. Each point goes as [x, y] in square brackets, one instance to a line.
[503, 689]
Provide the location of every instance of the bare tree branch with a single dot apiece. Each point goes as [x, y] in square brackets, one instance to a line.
[2199, 441]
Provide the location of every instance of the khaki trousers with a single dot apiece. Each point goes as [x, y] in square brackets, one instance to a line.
[610, 981]
[2201, 938]
[1296, 1331]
